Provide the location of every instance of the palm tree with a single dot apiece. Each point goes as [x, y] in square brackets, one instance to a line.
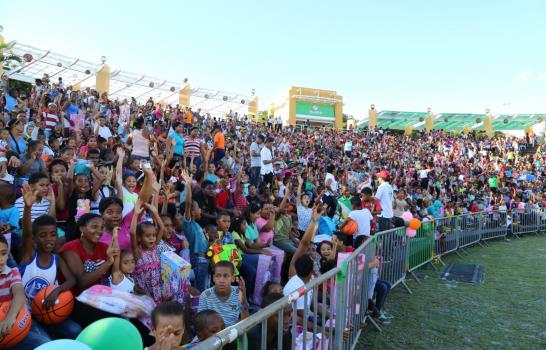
[8, 58]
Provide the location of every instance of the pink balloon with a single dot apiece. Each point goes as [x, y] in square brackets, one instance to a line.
[407, 216]
[411, 232]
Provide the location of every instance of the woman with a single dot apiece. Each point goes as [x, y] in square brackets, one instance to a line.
[110, 209]
[88, 258]
[176, 141]
[258, 266]
[17, 141]
[141, 141]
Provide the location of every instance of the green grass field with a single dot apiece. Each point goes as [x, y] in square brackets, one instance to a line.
[506, 311]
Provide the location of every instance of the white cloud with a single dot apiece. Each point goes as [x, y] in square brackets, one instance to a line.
[523, 75]
[541, 76]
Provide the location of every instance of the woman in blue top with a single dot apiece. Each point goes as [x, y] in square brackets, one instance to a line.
[176, 139]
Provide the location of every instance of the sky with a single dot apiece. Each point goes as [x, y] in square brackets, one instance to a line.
[451, 56]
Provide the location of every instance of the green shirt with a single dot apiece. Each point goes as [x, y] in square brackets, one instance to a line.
[344, 206]
[493, 182]
[283, 225]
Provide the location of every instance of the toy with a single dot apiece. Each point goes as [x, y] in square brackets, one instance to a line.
[224, 252]
[58, 312]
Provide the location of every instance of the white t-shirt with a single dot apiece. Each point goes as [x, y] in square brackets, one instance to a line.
[255, 160]
[385, 195]
[363, 219]
[293, 285]
[423, 173]
[333, 184]
[105, 132]
[348, 147]
[265, 154]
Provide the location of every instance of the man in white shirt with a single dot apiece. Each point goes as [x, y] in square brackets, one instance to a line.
[385, 196]
[102, 130]
[267, 159]
[256, 160]
[348, 148]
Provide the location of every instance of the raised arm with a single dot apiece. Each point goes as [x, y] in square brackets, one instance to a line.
[139, 209]
[117, 275]
[298, 193]
[29, 197]
[305, 240]
[119, 172]
[157, 220]
[188, 205]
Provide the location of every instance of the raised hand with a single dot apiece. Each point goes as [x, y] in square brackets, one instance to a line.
[29, 196]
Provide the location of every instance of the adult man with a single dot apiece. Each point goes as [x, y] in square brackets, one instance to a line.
[267, 159]
[385, 196]
[219, 144]
[256, 160]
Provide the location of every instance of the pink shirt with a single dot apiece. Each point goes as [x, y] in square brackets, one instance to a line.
[124, 235]
[264, 237]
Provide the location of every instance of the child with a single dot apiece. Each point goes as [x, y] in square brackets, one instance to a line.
[167, 326]
[145, 238]
[39, 267]
[363, 219]
[12, 291]
[122, 268]
[45, 199]
[207, 323]
[9, 215]
[198, 243]
[227, 300]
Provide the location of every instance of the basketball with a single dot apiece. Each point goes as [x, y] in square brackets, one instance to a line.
[19, 330]
[58, 312]
[350, 228]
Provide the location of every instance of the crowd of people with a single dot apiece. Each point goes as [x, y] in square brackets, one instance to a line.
[97, 191]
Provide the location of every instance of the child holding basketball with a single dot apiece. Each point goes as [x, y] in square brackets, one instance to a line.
[11, 290]
[39, 268]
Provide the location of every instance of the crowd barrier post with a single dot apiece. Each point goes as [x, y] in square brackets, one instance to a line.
[392, 250]
[421, 248]
[525, 221]
[542, 221]
[494, 224]
[469, 230]
[446, 236]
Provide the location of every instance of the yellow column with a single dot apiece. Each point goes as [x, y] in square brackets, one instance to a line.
[76, 87]
[253, 109]
[184, 96]
[372, 117]
[429, 122]
[291, 108]
[102, 82]
[488, 124]
[1, 54]
[408, 130]
[338, 111]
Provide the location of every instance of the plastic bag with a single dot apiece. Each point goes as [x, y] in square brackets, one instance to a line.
[116, 302]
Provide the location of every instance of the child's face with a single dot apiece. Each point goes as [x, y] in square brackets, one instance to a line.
[42, 186]
[82, 184]
[223, 223]
[148, 237]
[130, 183]
[275, 288]
[169, 226]
[325, 251]
[67, 156]
[46, 238]
[127, 263]
[223, 278]
[112, 216]
[3, 255]
[305, 201]
[58, 171]
[92, 143]
[214, 325]
[167, 325]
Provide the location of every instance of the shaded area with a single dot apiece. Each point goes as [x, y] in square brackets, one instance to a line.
[467, 273]
[506, 311]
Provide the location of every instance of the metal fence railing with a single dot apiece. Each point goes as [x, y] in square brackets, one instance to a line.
[335, 304]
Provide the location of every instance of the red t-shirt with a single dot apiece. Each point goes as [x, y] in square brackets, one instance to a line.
[90, 262]
[373, 206]
[222, 199]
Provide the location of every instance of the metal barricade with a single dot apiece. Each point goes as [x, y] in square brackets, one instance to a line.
[335, 308]
[525, 221]
[542, 220]
[391, 250]
[468, 227]
[446, 236]
[493, 225]
[421, 247]
[354, 287]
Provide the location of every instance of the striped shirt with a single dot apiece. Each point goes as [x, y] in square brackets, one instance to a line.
[192, 146]
[51, 121]
[8, 278]
[229, 309]
[38, 209]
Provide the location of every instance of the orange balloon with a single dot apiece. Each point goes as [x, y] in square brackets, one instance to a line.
[414, 224]
[350, 228]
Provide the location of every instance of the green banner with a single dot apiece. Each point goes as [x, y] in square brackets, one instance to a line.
[315, 111]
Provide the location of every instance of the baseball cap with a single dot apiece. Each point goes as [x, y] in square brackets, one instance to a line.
[383, 174]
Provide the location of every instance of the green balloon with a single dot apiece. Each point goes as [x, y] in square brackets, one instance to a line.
[111, 333]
